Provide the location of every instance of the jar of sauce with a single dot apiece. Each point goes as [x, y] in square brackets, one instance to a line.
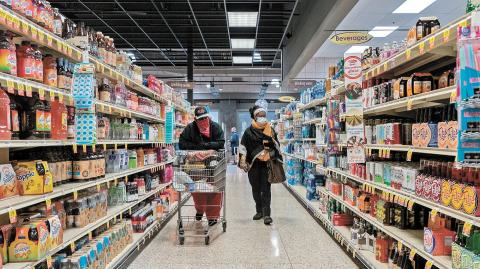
[50, 71]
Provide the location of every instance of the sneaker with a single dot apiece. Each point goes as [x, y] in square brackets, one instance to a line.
[212, 222]
[198, 216]
[258, 216]
[267, 220]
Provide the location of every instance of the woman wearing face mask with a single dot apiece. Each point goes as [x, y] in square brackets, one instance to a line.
[204, 134]
[258, 145]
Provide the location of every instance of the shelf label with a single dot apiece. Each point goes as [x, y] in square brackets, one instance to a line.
[453, 97]
[428, 265]
[60, 98]
[65, 48]
[69, 51]
[10, 86]
[21, 89]
[24, 27]
[34, 32]
[48, 203]
[433, 214]
[75, 195]
[59, 45]
[49, 261]
[84, 148]
[410, 204]
[93, 148]
[431, 42]
[408, 54]
[421, 47]
[446, 35]
[409, 155]
[41, 36]
[467, 228]
[126, 146]
[385, 67]
[400, 245]
[388, 153]
[115, 146]
[72, 247]
[90, 235]
[52, 96]
[412, 254]
[49, 40]
[28, 90]
[75, 148]
[126, 179]
[12, 215]
[409, 104]
[105, 146]
[98, 187]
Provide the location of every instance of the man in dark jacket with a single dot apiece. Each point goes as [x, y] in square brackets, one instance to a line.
[204, 134]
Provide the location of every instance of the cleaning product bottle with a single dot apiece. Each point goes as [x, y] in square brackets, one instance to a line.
[5, 120]
[59, 121]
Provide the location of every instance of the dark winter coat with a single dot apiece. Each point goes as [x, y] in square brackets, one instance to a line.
[192, 139]
[252, 145]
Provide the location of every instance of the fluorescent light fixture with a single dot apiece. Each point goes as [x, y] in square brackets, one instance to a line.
[356, 49]
[131, 56]
[242, 59]
[275, 81]
[257, 57]
[242, 43]
[413, 6]
[382, 31]
[242, 19]
[220, 90]
[208, 86]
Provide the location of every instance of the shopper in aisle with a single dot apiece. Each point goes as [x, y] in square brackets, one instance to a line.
[204, 134]
[234, 139]
[259, 144]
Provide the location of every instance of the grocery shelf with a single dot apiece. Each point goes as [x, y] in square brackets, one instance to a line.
[314, 103]
[412, 239]
[105, 107]
[413, 197]
[304, 159]
[140, 238]
[314, 121]
[434, 46]
[18, 202]
[428, 99]
[340, 233]
[309, 139]
[53, 143]
[433, 151]
[71, 235]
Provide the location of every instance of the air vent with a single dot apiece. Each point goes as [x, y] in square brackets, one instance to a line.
[237, 79]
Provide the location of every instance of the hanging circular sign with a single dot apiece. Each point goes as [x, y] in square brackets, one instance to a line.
[286, 99]
[349, 38]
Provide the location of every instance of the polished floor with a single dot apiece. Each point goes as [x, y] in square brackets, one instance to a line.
[295, 240]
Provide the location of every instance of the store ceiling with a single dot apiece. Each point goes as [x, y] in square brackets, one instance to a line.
[367, 14]
[158, 33]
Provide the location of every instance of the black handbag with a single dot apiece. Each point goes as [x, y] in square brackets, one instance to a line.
[276, 174]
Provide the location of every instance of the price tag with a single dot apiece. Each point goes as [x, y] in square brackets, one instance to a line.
[41, 36]
[428, 265]
[385, 67]
[65, 48]
[409, 104]
[463, 23]
[408, 54]
[400, 245]
[12, 215]
[99, 188]
[126, 146]
[52, 96]
[59, 45]
[90, 236]
[75, 195]
[21, 89]
[431, 42]
[126, 179]
[70, 100]
[10, 86]
[93, 147]
[25, 27]
[409, 155]
[446, 35]
[72, 247]
[115, 146]
[467, 228]
[60, 98]
[75, 148]
[453, 97]
[115, 181]
[49, 40]
[84, 148]
[104, 146]
[421, 47]
[363, 186]
[34, 33]
[388, 153]
[28, 90]
[396, 199]
[48, 203]
[49, 261]
[433, 214]
[412, 254]
[69, 51]
[410, 204]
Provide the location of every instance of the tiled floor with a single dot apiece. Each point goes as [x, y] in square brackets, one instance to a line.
[295, 240]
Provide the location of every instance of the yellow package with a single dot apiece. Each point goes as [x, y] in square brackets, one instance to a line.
[30, 242]
[34, 177]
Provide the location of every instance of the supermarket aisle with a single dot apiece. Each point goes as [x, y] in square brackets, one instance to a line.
[294, 241]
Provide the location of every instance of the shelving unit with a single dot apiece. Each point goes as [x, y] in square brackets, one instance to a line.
[314, 121]
[314, 103]
[406, 148]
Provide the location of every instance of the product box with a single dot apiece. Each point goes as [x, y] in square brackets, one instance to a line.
[470, 200]
[350, 195]
[30, 242]
[34, 177]
[387, 174]
[8, 181]
[438, 242]
[448, 135]
[379, 172]
[56, 232]
[421, 135]
[457, 196]
[7, 233]
[342, 220]
[409, 176]
[456, 256]
[446, 192]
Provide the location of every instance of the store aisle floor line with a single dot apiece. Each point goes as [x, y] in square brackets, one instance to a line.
[295, 240]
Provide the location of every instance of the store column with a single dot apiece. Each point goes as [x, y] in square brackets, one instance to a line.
[190, 73]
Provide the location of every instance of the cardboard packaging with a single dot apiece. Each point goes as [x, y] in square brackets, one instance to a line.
[438, 242]
[34, 177]
[8, 181]
[30, 242]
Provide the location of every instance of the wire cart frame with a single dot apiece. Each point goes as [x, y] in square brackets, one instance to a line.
[200, 173]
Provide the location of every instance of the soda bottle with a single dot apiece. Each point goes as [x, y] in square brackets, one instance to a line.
[59, 121]
[5, 120]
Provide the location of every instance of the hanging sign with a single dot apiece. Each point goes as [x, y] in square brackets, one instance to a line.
[301, 83]
[348, 38]
[181, 84]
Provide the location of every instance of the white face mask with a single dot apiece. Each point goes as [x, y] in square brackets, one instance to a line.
[261, 120]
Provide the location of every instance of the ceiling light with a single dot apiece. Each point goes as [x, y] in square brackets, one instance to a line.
[356, 49]
[242, 19]
[242, 59]
[242, 43]
[257, 57]
[382, 31]
[413, 6]
[208, 86]
[275, 81]
[220, 89]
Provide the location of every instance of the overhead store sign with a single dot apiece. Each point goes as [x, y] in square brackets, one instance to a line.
[349, 38]
[301, 83]
[181, 84]
[286, 99]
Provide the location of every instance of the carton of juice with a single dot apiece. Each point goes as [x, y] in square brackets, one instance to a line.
[8, 181]
[30, 242]
[34, 177]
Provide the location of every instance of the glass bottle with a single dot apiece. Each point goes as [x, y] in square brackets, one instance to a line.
[57, 22]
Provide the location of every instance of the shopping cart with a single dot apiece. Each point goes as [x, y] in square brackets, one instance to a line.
[203, 174]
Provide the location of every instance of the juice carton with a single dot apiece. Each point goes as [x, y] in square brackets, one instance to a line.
[30, 242]
[6, 233]
[34, 177]
[8, 181]
[438, 242]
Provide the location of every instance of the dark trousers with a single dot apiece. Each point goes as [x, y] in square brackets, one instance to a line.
[258, 177]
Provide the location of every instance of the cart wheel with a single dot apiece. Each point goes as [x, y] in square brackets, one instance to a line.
[224, 225]
[181, 240]
[207, 240]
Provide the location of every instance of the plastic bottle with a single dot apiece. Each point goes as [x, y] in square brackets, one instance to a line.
[26, 61]
[12, 56]
[57, 22]
[15, 117]
[5, 119]
[50, 77]
[59, 121]
[4, 53]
